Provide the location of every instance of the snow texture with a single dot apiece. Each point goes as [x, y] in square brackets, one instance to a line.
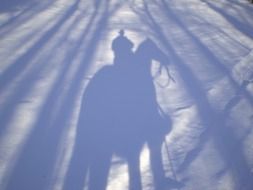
[171, 107]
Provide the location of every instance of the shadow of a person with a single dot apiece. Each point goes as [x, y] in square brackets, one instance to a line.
[103, 120]
[119, 114]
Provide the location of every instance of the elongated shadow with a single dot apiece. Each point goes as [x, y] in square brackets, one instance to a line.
[41, 148]
[27, 13]
[246, 13]
[19, 66]
[215, 124]
[8, 6]
[16, 17]
[240, 26]
[213, 59]
[22, 62]
[227, 143]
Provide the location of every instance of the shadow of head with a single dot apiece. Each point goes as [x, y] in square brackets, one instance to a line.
[122, 46]
[148, 50]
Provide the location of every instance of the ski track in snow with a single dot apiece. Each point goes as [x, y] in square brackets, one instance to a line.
[50, 51]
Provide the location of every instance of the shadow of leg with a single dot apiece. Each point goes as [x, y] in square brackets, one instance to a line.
[134, 173]
[156, 163]
[99, 171]
[77, 171]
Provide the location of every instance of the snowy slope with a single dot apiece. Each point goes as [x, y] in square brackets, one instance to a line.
[51, 50]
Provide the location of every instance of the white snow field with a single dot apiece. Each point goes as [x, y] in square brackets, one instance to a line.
[50, 51]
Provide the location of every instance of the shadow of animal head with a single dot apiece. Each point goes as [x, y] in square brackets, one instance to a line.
[148, 50]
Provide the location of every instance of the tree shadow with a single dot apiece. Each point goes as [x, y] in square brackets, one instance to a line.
[23, 14]
[19, 66]
[39, 154]
[119, 114]
[225, 140]
[213, 59]
[240, 26]
[12, 5]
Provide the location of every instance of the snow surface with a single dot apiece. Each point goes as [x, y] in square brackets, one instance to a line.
[50, 51]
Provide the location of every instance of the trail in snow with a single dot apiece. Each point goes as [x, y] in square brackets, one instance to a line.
[51, 51]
